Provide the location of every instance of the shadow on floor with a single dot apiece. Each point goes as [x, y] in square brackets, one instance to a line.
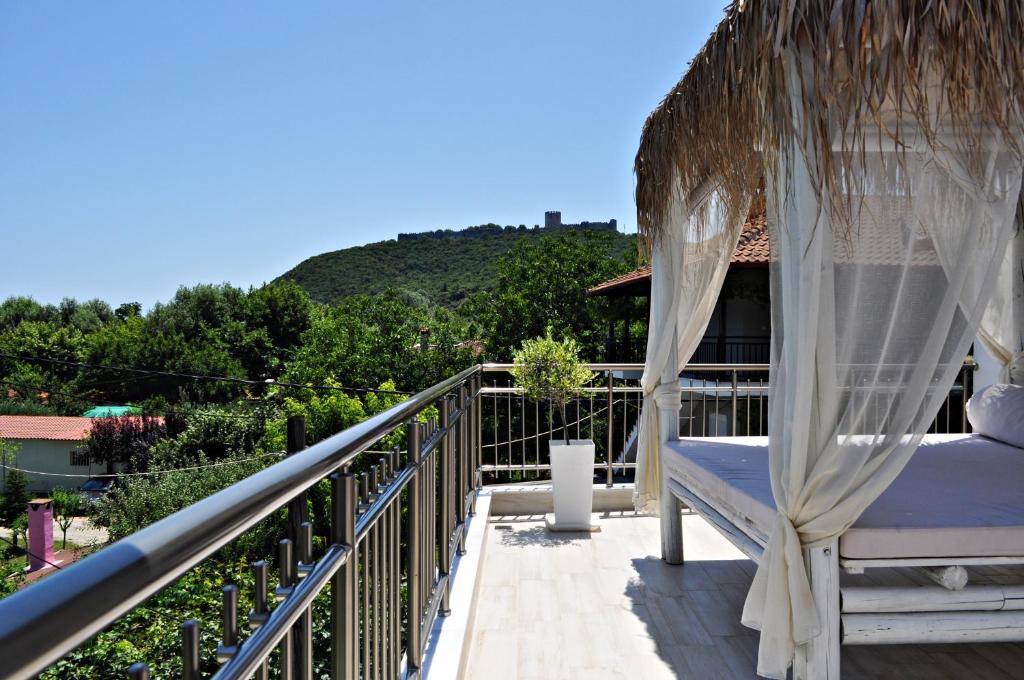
[538, 537]
[692, 611]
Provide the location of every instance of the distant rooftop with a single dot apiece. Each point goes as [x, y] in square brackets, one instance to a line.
[751, 250]
[60, 428]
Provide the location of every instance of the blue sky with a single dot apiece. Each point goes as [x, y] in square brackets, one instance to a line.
[148, 145]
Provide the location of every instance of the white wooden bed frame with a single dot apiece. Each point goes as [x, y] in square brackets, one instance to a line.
[949, 612]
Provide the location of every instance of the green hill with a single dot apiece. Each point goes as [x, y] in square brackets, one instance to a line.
[440, 267]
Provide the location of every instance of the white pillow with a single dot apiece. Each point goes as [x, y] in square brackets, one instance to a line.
[998, 413]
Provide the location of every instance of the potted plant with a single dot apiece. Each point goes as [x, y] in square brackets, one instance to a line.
[551, 371]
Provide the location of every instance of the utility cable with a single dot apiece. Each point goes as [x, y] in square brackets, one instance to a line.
[29, 553]
[200, 376]
[235, 461]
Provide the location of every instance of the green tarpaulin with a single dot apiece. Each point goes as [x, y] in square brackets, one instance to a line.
[112, 411]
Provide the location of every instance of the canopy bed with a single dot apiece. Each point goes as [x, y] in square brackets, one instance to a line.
[885, 141]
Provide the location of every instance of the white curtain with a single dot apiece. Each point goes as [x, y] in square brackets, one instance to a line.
[869, 329]
[689, 260]
[1002, 326]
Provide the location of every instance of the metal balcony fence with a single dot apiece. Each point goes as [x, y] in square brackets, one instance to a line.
[391, 526]
[729, 349]
[717, 400]
[394, 531]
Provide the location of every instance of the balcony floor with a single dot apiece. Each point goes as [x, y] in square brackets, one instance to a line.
[552, 606]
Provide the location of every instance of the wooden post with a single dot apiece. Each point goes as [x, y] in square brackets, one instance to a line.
[818, 659]
[671, 508]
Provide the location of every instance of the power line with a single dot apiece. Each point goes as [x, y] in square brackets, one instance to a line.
[200, 376]
[179, 412]
[162, 412]
[145, 474]
[29, 553]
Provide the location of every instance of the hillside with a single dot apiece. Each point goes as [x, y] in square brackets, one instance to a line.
[441, 267]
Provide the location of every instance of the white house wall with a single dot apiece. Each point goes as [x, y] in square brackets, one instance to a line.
[49, 456]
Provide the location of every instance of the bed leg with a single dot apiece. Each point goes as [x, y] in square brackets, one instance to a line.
[819, 658]
[671, 526]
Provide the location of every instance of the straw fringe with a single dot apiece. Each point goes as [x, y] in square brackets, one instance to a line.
[896, 64]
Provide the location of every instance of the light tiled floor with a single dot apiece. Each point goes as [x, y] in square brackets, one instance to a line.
[553, 606]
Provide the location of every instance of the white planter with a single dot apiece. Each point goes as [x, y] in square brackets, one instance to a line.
[572, 476]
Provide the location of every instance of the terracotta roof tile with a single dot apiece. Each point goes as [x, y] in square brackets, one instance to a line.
[61, 428]
[636, 275]
[752, 248]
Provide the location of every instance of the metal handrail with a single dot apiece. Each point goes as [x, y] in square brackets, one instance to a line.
[51, 618]
[731, 385]
[493, 367]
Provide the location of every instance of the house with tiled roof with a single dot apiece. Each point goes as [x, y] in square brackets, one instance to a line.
[740, 328]
[51, 449]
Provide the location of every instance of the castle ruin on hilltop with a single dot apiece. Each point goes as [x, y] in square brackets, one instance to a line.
[552, 222]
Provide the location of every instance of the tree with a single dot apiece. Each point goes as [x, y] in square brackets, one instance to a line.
[551, 371]
[128, 310]
[367, 340]
[543, 282]
[15, 496]
[16, 309]
[67, 505]
[19, 528]
[124, 440]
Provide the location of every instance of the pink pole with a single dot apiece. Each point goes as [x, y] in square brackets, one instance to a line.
[40, 533]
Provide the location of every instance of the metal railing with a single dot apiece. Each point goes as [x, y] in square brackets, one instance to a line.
[729, 349]
[395, 523]
[717, 400]
[732, 350]
[394, 531]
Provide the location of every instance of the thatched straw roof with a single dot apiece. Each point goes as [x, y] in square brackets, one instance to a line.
[895, 64]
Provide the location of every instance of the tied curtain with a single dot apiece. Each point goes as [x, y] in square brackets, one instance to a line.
[1002, 327]
[872, 317]
[689, 261]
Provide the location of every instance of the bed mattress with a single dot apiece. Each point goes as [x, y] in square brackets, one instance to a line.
[960, 495]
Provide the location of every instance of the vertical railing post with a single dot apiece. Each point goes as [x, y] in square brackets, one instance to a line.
[298, 514]
[446, 506]
[298, 508]
[478, 409]
[968, 392]
[611, 428]
[413, 533]
[260, 609]
[286, 583]
[228, 646]
[460, 466]
[471, 441]
[190, 650]
[138, 671]
[735, 402]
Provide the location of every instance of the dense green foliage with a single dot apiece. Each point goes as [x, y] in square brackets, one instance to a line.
[542, 284]
[441, 269]
[284, 355]
[15, 497]
[67, 504]
[125, 440]
[276, 332]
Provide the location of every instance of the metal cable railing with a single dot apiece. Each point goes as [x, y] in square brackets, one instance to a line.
[717, 400]
[394, 527]
[394, 532]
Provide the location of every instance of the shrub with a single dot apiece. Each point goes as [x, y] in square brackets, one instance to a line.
[551, 371]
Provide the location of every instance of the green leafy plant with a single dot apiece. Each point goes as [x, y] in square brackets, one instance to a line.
[16, 496]
[67, 504]
[19, 529]
[549, 370]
